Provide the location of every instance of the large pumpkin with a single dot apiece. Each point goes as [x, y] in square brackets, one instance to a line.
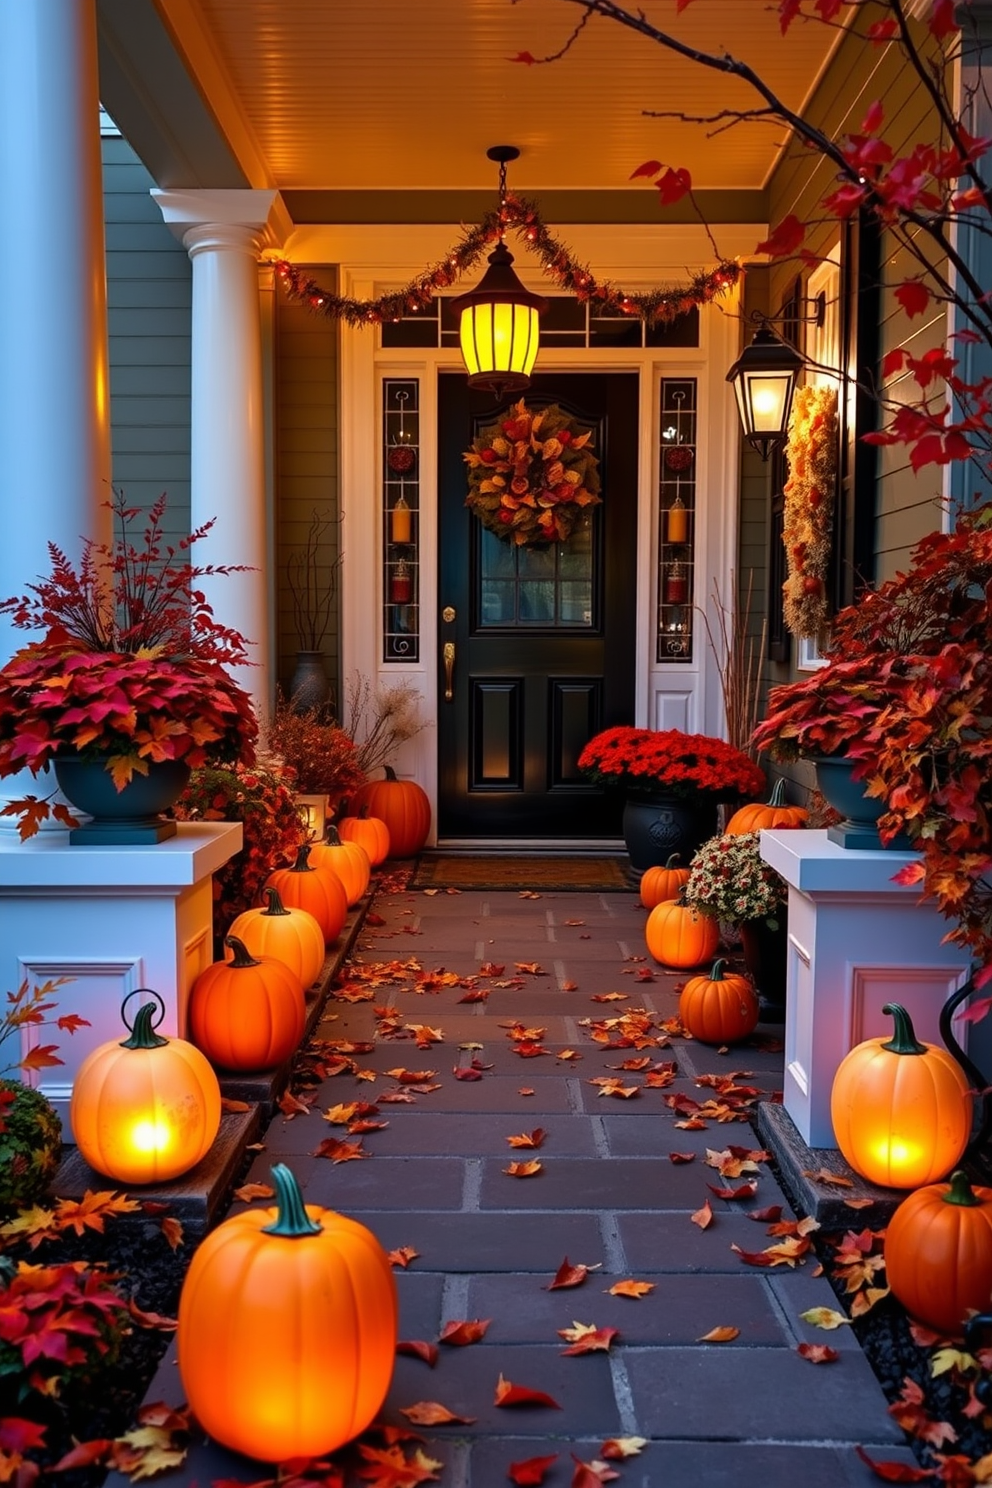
[403, 806]
[287, 1329]
[719, 1009]
[348, 860]
[247, 1013]
[773, 813]
[678, 935]
[317, 890]
[291, 936]
[938, 1253]
[900, 1109]
[146, 1109]
[369, 832]
[659, 884]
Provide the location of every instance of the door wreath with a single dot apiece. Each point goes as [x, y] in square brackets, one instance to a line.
[531, 475]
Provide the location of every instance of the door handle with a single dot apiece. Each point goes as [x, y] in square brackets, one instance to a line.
[449, 671]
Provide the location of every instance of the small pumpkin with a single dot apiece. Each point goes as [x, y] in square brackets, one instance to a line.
[369, 832]
[719, 1009]
[659, 884]
[348, 860]
[287, 1328]
[403, 806]
[938, 1253]
[900, 1108]
[291, 936]
[317, 890]
[771, 813]
[678, 935]
[146, 1109]
[247, 1013]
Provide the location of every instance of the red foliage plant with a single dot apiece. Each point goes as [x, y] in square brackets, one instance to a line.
[669, 760]
[130, 666]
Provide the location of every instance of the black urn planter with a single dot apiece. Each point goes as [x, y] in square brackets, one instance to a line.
[657, 824]
[860, 812]
[765, 956]
[127, 818]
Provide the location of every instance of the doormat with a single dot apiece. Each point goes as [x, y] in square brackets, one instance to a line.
[577, 875]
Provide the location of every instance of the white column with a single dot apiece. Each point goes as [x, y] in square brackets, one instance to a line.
[224, 232]
[54, 394]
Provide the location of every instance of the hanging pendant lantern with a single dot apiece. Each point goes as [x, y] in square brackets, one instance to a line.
[499, 319]
[764, 378]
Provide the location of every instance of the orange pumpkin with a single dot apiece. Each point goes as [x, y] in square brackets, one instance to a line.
[247, 1014]
[287, 1328]
[403, 806]
[773, 813]
[348, 860]
[678, 935]
[147, 1109]
[291, 936]
[901, 1109]
[317, 890]
[369, 832]
[659, 884]
[719, 1009]
[938, 1253]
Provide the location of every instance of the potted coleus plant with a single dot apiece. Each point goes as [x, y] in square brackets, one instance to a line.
[125, 681]
[730, 881]
[673, 782]
[906, 696]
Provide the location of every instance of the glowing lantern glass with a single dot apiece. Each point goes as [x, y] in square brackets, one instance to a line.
[900, 1108]
[764, 379]
[147, 1109]
[499, 327]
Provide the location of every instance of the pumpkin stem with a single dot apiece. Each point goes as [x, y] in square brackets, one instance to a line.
[961, 1191]
[777, 797]
[275, 904]
[333, 838]
[292, 1222]
[716, 975]
[302, 864]
[903, 1040]
[363, 812]
[143, 1035]
[390, 772]
[242, 956]
[675, 858]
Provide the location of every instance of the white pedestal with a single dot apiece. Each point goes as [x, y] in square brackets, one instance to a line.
[856, 941]
[110, 919]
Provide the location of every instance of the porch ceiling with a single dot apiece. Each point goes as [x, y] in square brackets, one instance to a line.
[407, 95]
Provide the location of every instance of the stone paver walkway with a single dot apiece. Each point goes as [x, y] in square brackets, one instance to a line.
[747, 1412]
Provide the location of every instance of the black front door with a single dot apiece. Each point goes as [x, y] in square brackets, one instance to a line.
[543, 637]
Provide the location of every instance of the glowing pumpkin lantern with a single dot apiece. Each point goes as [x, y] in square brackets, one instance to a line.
[900, 1108]
[148, 1108]
[287, 1328]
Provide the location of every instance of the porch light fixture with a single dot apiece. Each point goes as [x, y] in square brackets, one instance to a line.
[499, 319]
[764, 378]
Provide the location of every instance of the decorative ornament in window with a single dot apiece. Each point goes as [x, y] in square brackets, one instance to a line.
[532, 475]
[810, 494]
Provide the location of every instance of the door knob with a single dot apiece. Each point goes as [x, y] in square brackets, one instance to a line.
[449, 671]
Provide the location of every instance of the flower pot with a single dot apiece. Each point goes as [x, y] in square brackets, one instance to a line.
[130, 817]
[657, 824]
[764, 951]
[309, 686]
[860, 812]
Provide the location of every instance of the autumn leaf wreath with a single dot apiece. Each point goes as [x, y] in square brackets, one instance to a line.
[531, 475]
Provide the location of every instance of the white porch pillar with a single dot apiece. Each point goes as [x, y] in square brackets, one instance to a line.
[224, 232]
[54, 395]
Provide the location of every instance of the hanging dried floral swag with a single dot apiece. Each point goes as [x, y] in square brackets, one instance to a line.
[531, 475]
[809, 508]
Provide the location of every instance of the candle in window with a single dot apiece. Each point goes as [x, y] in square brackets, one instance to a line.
[678, 522]
[401, 584]
[401, 522]
[676, 585]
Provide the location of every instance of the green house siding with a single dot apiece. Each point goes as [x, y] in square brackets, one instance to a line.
[306, 463]
[149, 285]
